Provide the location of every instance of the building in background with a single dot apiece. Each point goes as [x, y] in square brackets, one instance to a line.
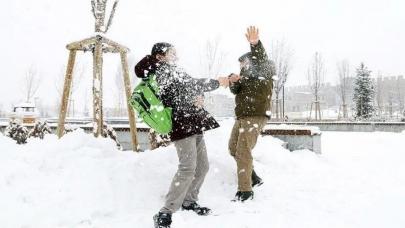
[220, 105]
[389, 99]
[390, 96]
[298, 101]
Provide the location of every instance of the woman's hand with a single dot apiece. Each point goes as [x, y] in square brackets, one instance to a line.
[234, 78]
[223, 81]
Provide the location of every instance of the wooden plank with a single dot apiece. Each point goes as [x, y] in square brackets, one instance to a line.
[286, 132]
[128, 91]
[66, 92]
[82, 45]
[88, 44]
[97, 89]
[110, 49]
[114, 44]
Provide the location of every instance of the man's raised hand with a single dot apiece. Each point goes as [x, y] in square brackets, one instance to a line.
[252, 35]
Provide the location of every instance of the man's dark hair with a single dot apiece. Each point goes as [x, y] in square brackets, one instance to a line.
[160, 48]
[245, 56]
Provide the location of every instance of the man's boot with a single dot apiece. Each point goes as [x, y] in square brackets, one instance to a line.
[256, 180]
[243, 196]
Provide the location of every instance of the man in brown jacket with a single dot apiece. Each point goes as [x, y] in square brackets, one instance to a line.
[253, 90]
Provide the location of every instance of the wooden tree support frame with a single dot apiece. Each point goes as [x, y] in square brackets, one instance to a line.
[317, 106]
[97, 45]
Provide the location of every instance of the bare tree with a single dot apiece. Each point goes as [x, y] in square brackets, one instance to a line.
[86, 109]
[399, 95]
[213, 58]
[379, 94]
[98, 8]
[78, 73]
[316, 74]
[120, 88]
[390, 104]
[212, 62]
[31, 82]
[1, 110]
[281, 55]
[343, 68]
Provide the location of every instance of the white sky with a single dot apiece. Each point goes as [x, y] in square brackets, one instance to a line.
[36, 32]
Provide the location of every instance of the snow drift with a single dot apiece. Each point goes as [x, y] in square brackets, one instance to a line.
[83, 182]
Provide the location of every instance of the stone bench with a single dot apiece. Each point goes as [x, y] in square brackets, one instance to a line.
[296, 137]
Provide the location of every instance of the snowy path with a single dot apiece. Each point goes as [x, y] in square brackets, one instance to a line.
[82, 182]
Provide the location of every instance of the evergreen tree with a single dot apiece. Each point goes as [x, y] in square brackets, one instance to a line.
[363, 93]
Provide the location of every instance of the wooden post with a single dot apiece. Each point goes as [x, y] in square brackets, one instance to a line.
[339, 113]
[97, 89]
[131, 114]
[316, 110]
[344, 111]
[66, 93]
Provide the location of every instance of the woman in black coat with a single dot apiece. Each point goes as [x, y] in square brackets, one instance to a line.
[185, 95]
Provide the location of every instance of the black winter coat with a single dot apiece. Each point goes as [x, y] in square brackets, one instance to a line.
[179, 91]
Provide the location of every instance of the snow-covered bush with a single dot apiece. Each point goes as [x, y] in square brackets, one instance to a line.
[39, 130]
[68, 129]
[17, 131]
[109, 132]
[157, 140]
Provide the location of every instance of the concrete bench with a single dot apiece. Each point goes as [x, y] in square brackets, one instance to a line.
[296, 137]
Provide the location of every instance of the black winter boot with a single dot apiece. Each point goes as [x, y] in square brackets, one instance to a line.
[162, 220]
[243, 196]
[197, 209]
[256, 180]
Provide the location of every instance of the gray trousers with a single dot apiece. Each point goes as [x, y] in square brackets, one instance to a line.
[192, 169]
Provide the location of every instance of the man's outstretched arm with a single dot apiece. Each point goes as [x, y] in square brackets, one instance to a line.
[259, 54]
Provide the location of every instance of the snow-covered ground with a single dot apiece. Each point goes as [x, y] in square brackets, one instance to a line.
[83, 182]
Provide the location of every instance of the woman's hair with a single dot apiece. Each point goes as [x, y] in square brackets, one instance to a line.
[146, 66]
[160, 48]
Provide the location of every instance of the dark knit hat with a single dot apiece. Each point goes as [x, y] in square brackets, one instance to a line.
[160, 48]
[245, 56]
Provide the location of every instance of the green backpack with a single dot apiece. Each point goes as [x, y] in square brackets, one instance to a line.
[148, 106]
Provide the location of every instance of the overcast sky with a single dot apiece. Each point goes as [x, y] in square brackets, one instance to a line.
[36, 32]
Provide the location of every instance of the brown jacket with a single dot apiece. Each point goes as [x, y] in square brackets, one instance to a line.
[254, 90]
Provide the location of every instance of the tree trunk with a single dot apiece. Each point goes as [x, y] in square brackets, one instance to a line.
[277, 107]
